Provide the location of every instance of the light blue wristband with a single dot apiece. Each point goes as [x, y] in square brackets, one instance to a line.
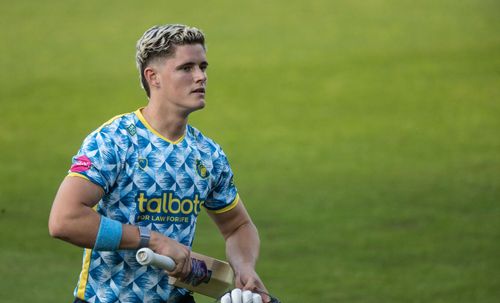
[109, 235]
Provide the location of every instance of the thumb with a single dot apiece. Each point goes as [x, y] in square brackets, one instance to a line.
[238, 283]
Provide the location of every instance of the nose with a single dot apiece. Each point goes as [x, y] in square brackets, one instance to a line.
[200, 75]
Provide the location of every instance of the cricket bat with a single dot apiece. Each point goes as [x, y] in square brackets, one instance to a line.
[212, 277]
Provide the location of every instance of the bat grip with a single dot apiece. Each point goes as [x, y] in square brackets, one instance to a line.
[146, 256]
[199, 271]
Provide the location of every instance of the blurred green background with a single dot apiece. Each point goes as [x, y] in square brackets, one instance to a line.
[364, 136]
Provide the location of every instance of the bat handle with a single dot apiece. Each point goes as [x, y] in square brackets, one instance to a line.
[146, 256]
[199, 271]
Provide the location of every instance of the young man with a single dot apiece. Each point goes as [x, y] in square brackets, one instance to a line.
[141, 179]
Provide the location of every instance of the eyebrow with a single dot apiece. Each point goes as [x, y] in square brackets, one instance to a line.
[203, 63]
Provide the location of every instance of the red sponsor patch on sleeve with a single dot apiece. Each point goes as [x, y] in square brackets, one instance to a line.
[81, 164]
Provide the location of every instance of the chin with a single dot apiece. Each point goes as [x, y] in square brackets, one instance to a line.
[200, 104]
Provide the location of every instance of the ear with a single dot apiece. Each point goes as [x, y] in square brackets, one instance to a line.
[151, 75]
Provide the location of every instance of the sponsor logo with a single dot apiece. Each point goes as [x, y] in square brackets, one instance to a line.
[167, 208]
[201, 169]
[81, 164]
[131, 129]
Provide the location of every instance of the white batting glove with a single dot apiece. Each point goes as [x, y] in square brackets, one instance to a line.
[238, 296]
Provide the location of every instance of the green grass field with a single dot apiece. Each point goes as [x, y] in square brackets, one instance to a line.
[364, 136]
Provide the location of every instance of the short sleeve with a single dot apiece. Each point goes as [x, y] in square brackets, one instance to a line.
[224, 195]
[97, 160]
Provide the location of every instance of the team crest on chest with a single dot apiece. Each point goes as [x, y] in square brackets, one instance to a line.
[143, 163]
[201, 169]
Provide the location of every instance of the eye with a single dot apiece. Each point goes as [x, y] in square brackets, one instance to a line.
[203, 67]
[187, 68]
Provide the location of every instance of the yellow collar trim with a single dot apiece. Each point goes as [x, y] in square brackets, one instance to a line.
[139, 115]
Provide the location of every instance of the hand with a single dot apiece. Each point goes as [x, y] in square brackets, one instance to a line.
[180, 253]
[239, 296]
[248, 279]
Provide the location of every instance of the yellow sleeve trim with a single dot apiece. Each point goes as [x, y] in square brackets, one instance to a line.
[227, 208]
[139, 115]
[78, 175]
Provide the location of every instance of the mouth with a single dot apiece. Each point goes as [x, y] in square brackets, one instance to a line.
[200, 90]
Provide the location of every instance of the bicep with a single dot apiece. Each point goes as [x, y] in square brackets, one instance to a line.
[72, 217]
[74, 193]
[228, 222]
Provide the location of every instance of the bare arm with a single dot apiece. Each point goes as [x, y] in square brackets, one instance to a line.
[242, 245]
[72, 219]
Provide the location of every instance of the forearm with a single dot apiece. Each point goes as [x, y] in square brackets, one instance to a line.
[82, 227]
[77, 226]
[242, 247]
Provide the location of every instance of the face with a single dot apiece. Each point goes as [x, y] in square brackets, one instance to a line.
[181, 79]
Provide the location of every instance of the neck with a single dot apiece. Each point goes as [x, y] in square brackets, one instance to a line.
[167, 121]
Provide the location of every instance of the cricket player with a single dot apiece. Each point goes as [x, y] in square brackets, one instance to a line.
[142, 178]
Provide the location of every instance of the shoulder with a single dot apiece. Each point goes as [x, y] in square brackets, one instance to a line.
[115, 131]
[118, 124]
[203, 142]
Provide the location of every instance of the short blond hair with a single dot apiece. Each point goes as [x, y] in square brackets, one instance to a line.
[159, 42]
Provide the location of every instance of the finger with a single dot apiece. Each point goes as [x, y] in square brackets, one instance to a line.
[250, 284]
[178, 271]
[238, 283]
[246, 295]
[186, 268]
[182, 267]
[236, 295]
[173, 273]
[263, 296]
[256, 298]
[261, 290]
[226, 298]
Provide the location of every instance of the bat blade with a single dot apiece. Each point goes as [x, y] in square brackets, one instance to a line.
[221, 278]
[220, 274]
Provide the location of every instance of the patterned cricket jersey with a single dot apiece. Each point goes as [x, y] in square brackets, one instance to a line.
[149, 181]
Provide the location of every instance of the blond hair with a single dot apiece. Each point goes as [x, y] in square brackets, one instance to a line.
[159, 42]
